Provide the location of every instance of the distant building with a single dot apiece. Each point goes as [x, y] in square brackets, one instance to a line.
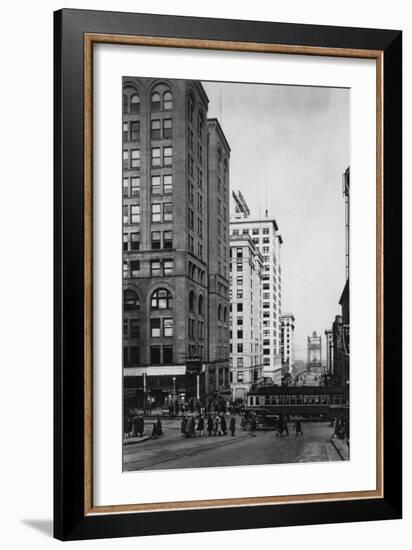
[246, 315]
[298, 367]
[287, 341]
[314, 350]
[310, 377]
[265, 235]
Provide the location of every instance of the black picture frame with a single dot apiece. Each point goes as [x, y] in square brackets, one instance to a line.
[71, 522]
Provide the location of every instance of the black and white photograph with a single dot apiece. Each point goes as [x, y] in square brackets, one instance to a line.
[236, 267]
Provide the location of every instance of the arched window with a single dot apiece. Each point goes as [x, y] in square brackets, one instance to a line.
[135, 104]
[200, 305]
[161, 299]
[130, 300]
[225, 315]
[219, 313]
[167, 101]
[192, 300]
[155, 102]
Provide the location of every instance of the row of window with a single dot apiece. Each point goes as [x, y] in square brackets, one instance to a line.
[160, 156]
[159, 240]
[265, 231]
[158, 102]
[159, 212]
[160, 184]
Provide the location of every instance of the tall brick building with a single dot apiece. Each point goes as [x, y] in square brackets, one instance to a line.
[172, 297]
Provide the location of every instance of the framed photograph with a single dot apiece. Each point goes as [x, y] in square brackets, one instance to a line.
[227, 274]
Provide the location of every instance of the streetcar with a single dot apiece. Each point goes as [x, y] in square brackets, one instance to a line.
[265, 405]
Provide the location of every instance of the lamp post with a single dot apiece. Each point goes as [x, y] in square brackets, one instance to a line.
[174, 395]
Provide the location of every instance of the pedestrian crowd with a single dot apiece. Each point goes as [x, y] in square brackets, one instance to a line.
[213, 424]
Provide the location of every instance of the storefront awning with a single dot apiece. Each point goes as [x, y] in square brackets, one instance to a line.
[161, 370]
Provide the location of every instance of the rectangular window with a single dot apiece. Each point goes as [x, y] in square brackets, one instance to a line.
[239, 294]
[125, 131]
[168, 184]
[240, 334]
[239, 280]
[135, 130]
[239, 307]
[240, 361]
[155, 355]
[125, 328]
[240, 321]
[156, 190]
[155, 328]
[155, 240]
[255, 231]
[167, 156]
[125, 269]
[167, 128]
[240, 348]
[134, 267]
[167, 239]
[155, 156]
[168, 267]
[167, 354]
[168, 327]
[126, 158]
[156, 215]
[167, 212]
[125, 242]
[125, 187]
[155, 129]
[135, 161]
[134, 241]
[134, 355]
[135, 186]
[240, 376]
[155, 268]
[125, 214]
[135, 213]
[134, 328]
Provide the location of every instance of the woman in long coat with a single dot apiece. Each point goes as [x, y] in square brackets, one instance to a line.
[209, 425]
[201, 425]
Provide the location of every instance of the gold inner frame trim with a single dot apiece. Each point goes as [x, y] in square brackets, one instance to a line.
[93, 38]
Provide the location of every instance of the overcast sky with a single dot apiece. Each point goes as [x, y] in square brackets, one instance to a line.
[297, 140]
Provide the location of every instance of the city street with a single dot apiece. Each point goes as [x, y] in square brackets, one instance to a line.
[263, 447]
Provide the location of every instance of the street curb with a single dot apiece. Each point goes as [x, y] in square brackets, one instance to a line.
[136, 441]
[338, 450]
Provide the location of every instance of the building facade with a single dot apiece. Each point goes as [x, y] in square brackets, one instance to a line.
[166, 234]
[218, 258]
[314, 350]
[246, 315]
[267, 240]
[287, 342]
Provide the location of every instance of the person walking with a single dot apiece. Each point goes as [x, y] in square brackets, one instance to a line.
[223, 423]
[201, 425]
[159, 426]
[232, 425]
[183, 426]
[298, 427]
[209, 425]
[139, 426]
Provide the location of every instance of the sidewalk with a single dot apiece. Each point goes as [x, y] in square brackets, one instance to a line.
[341, 447]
